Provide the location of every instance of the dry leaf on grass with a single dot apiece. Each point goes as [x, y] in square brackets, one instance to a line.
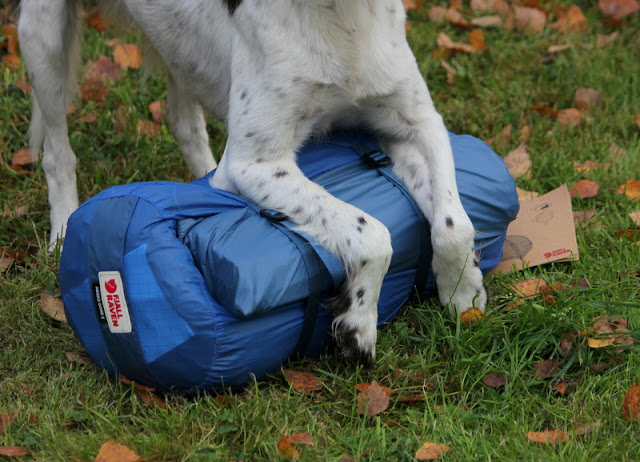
[470, 316]
[7, 419]
[302, 381]
[570, 117]
[146, 394]
[13, 451]
[445, 43]
[546, 369]
[587, 166]
[431, 451]
[525, 133]
[487, 21]
[52, 306]
[618, 9]
[93, 89]
[631, 403]
[158, 110]
[544, 111]
[604, 40]
[24, 86]
[524, 195]
[635, 217]
[438, 14]
[558, 48]
[528, 288]
[412, 4]
[373, 400]
[495, 380]
[586, 98]
[79, 358]
[103, 70]
[476, 38]
[583, 216]
[127, 55]
[148, 128]
[518, 162]
[584, 189]
[111, 451]
[583, 430]
[285, 444]
[529, 20]
[22, 157]
[610, 331]
[631, 189]
[90, 118]
[572, 20]
[451, 72]
[548, 437]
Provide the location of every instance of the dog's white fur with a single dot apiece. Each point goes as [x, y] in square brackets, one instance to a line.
[276, 72]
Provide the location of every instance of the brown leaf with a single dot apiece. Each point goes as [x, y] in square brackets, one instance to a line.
[529, 20]
[571, 116]
[546, 369]
[99, 21]
[586, 98]
[612, 331]
[431, 451]
[286, 442]
[470, 316]
[494, 380]
[303, 382]
[518, 162]
[7, 419]
[584, 189]
[604, 40]
[631, 403]
[476, 38]
[80, 358]
[11, 62]
[112, 451]
[583, 216]
[558, 48]
[616, 152]
[22, 157]
[631, 189]
[544, 111]
[13, 451]
[524, 195]
[446, 43]
[373, 401]
[127, 55]
[438, 14]
[301, 438]
[548, 437]
[487, 21]
[364, 387]
[5, 262]
[456, 18]
[572, 21]
[148, 128]
[24, 86]
[412, 4]
[451, 72]
[103, 70]
[93, 89]
[410, 398]
[550, 292]
[528, 288]
[158, 110]
[587, 166]
[89, 118]
[618, 9]
[560, 387]
[10, 32]
[635, 217]
[52, 306]
[587, 429]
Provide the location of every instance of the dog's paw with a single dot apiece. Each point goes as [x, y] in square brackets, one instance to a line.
[356, 332]
[461, 288]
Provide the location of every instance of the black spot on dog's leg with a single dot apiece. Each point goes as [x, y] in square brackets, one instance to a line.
[362, 221]
[449, 221]
[280, 173]
[348, 342]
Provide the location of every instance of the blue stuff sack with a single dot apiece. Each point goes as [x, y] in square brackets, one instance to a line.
[183, 287]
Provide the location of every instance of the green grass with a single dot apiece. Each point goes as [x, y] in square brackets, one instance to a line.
[68, 410]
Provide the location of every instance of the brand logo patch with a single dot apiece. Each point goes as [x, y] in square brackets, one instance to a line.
[114, 303]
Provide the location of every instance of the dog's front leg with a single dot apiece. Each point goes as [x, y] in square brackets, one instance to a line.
[259, 163]
[415, 138]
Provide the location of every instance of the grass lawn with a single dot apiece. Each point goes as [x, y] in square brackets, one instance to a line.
[68, 410]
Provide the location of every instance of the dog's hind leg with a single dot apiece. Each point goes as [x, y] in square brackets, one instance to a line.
[186, 121]
[47, 31]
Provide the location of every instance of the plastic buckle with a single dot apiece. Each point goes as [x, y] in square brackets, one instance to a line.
[273, 215]
[376, 159]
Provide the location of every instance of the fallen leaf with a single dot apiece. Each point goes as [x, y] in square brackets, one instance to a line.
[548, 436]
[503, 138]
[583, 216]
[612, 331]
[303, 381]
[546, 369]
[494, 380]
[286, 442]
[528, 288]
[518, 162]
[631, 403]
[13, 451]
[158, 109]
[90, 118]
[93, 89]
[470, 316]
[618, 9]
[587, 429]
[5, 262]
[616, 152]
[22, 157]
[476, 38]
[373, 401]
[487, 21]
[586, 98]
[410, 398]
[24, 86]
[127, 55]
[445, 42]
[604, 40]
[438, 14]
[631, 189]
[572, 21]
[529, 20]
[549, 292]
[80, 358]
[52, 306]
[148, 128]
[99, 21]
[456, 18]
[146, 394]
[587, 166]
[544, 111]
[451, 72]
[7, 419]
[524, 195]
[301, 438]
[571, 116]
[103, 70]
[558, 48]
[635, 217]
[364, 387]
[111, 451]
[412, 4]
[584, 189]
[11, 62]
[431, 451]
[560, 387]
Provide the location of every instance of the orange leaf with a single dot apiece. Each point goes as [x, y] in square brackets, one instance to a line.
[570, 116]
[457, 19]
[11, 62]
[301, 438]
[529, 20]
[93, 89]
[412, 4]
[104, 70]
[13, 451]
[431, 451]
[286, 442]
[518, 161]
[22, 157]
[584, 189]
[127, 55]
[90, 118]
[631, 189]
[437, 14]
[446, 43]
[157, 109]
[572, 21]
[545, 111]
[476, 38]
[99, 21]
[548, 436]
[618, 9]
[487, 21]
[24, 86]
[303, 381]
[631, 403]
[52, 306]
[112, 451]
[373, 401]
[148, 128]
[470, 316]
[635, 217]
[586, 98]
[364, 387]
[528, 288]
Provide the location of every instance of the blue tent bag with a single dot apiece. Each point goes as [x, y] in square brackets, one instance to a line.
[183, 287]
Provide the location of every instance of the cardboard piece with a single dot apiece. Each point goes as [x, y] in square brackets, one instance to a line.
[543, 232]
